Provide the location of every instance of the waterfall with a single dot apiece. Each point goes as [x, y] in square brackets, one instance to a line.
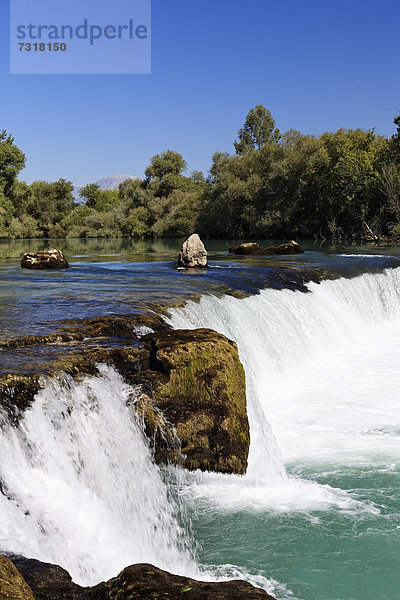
[80, 488]
[317, 388]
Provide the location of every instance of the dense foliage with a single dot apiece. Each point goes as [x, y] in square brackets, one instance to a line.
[342, 185]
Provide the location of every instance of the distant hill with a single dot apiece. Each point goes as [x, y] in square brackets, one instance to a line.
[108, 183]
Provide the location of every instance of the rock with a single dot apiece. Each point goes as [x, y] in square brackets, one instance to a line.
[201, 391]
[252, 248]
[44, 259]
[248, 248]
[17, 393]
[137, 582]
[193, 395]
[193, 253]
[291, 247]
[12, 584]
[147, 582]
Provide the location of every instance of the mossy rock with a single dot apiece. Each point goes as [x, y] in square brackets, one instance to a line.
[193, 400]
[201, 391]
[12, 585]
[136, 582]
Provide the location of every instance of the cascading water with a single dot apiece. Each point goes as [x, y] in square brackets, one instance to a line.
[80, 488]
[313, 392]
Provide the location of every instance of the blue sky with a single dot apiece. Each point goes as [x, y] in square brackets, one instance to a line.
[317, 65]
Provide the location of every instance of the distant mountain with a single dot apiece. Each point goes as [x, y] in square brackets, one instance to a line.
[108, 183]
[112, 183]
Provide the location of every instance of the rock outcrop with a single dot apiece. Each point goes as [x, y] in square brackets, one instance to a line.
[193, 254]
[44, 259]
[200, 388]
[192, 390]
[12, 584]
[137, 582]
[254, 249]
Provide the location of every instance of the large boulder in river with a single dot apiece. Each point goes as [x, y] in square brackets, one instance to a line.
[12, 584]
[44, 259]
[254, 249]
[137, 582]
[200, 389]
[193, 253]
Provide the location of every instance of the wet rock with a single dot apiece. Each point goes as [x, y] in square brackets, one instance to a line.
[254, 249]
[38, 340]
[146, 582]
[248, 248]
[192, 393]
[12, 584]
[17, 393]
[201, 390]
[44, 259]
[137, 582]
[193, 253]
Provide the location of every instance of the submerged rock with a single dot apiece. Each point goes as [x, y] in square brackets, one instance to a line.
[44, 259]
[201, 391]
[193, 253]
[252, 248]
[137, 582]
[12, 584]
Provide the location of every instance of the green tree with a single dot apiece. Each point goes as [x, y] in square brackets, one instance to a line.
[133, 192]
[49, 203]
[395, 143]
[137, 222]
[90, 193]
[12, 160]
[168, 162]
[258, 130]
[26, 227]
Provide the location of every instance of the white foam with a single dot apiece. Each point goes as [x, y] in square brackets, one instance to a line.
[322, 385]
[83, 489]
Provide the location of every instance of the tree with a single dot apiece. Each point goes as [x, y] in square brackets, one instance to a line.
[90, 193]
[133, 192]
[391, 189]
[12, 160]
[396, 121]
[257, 131]
[168, 162]
[395, 142]
[49, 203]
[136, 224]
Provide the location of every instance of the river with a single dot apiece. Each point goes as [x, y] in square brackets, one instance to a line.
[317, 516]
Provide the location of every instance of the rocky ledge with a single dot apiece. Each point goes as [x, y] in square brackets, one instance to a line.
[192, 400]
[254, 249]
[24, 579]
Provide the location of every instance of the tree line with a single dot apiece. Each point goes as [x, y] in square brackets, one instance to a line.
[343, 185]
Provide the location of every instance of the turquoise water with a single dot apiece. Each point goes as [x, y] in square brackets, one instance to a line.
[321, 554]
[319, 509]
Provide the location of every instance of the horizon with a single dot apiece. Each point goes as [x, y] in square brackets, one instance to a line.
[319, 68]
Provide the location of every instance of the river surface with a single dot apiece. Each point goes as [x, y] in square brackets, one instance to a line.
[316, 517]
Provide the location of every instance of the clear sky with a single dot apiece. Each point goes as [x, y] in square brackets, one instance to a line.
[316, 64]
